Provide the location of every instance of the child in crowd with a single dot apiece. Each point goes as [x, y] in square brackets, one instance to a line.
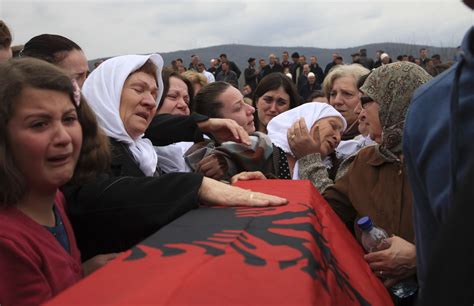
[46, 130]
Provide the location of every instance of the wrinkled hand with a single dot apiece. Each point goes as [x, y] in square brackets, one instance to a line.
[213, 192]
[97, 262]
[247, 176]
[213, 166]
[301, 142]
[395, 263]
[225, 130]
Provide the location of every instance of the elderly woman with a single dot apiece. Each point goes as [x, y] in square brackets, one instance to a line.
[326, 126]
[340, 87]
[376, 184]
[274, 95]
[129, 202]
[311, 165]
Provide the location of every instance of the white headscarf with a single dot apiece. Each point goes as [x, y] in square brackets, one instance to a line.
[103, 89]
[311, 112]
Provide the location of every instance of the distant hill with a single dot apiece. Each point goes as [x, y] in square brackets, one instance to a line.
[240, 53]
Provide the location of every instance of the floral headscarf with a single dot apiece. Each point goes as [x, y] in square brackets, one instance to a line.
[392, 87]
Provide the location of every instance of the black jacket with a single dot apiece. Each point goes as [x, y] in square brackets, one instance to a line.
[318, 71]
[251, 77]
[269, 69]
[122, 207]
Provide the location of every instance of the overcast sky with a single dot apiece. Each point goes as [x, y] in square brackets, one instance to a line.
[105, 28]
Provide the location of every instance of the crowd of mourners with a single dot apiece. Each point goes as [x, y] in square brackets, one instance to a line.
[92, 163]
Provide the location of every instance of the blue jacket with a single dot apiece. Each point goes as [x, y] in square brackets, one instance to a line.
[438, 145]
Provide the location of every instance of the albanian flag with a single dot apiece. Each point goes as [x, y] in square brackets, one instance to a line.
[297, 254]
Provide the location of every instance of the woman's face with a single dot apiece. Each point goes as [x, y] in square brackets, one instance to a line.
[371, 110]
[234, 107]
[330, 132]
[45, 138]
[176, 101]
[271, 104]
[344, 97]
[138, 103]
[75, 64]
[362, 119]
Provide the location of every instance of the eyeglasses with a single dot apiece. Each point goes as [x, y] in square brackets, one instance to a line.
[365, 100]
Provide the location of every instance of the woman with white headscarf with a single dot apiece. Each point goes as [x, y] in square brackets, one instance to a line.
[326, 126]
[131, 202]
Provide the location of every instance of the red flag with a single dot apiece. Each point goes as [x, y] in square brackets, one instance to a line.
[298, 254]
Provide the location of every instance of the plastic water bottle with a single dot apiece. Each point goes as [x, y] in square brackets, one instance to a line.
[373, 239]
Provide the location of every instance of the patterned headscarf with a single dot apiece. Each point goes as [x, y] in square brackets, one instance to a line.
[392, 87]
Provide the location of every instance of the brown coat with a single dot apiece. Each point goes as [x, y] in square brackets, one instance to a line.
[376, 188]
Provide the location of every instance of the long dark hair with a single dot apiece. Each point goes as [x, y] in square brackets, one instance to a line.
[206, 102]
[167, 74]
[273, 81]
[15, 76]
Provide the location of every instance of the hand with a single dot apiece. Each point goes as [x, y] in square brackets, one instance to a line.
[97, 262]
[213, 192]
[395, 263]
[247, 176]
[213, 166]
[225, 130]
[301, 142]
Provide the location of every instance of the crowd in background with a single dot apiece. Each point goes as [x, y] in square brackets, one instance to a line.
[306, 73]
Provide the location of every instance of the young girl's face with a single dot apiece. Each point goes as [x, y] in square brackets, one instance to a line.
[44, 137]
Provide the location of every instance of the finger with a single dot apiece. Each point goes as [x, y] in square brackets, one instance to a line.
[267, 199]
[379, 266]
[297, 130]
[315, 135]
[290, 133]
[376, 256]
[304, 129]
[303, 125]
[247, 176]
[243, 135]
[255, 175]
[234, 130]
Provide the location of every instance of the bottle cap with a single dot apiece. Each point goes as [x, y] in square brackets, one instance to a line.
[365, 223]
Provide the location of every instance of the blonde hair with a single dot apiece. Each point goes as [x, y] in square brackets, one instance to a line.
[354, 70]
[195, 77]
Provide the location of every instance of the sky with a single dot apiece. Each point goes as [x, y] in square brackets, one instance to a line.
[107, 28]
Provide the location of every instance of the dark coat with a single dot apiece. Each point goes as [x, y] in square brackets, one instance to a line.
[268, 69]
[235, 69]
[122, 207]
[251, 74]
[318, 72]
[229, 77]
